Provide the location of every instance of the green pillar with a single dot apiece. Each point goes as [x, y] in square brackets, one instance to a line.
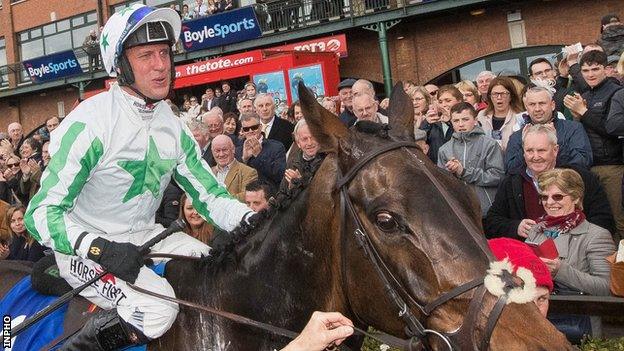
[385, 58]
[382, 30]
[81, 90]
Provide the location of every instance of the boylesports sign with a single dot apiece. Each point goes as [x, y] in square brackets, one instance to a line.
[55, 66]
[220, 29]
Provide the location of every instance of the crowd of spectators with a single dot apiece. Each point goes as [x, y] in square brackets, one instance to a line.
[544, 155]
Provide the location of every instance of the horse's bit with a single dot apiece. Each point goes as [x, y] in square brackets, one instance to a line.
[395, 290]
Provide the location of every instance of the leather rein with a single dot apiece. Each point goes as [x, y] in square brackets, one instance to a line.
[393, 288]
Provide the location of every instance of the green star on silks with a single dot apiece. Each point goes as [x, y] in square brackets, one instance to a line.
[146, 173]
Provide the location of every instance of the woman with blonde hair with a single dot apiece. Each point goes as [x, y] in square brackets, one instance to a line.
[469, 91]
[583, 246]
[421, 100]
[19, 244]
[504, 104]
[196, 226]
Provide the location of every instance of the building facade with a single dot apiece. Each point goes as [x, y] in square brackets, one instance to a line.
[428, 41]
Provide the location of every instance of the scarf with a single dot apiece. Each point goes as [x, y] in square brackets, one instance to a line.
[553, 226]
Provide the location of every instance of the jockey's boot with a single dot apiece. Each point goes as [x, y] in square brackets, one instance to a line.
[105, 331]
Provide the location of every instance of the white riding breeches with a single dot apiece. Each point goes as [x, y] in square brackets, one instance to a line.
[150, 315]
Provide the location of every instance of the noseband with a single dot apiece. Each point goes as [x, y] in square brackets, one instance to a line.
[464, 337]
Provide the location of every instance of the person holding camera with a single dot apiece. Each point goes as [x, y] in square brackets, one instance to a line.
[91, 45]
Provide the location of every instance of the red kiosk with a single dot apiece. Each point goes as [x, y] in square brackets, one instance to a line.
[274, 72]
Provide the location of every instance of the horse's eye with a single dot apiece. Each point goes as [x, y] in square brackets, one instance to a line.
[386, 222]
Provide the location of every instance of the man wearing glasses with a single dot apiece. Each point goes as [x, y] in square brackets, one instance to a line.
[542, 69]
[266, 156]
[574, 146]
[516, 206]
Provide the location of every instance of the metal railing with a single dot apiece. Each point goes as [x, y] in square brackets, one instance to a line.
[279, 15]
[273, 15]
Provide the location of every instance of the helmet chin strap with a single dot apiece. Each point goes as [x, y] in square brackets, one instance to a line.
[148, 100]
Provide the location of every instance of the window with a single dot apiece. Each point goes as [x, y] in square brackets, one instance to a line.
[31, 49]
[4, 76]
[54, 37]
[511, 62]
[77, 21]
[57, 42]
[506, 67]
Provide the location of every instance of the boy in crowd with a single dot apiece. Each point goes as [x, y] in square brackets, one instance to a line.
[472, 156]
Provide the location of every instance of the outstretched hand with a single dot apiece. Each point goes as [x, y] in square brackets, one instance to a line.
[323, 330]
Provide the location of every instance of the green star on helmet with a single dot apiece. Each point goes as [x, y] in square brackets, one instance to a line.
[125, 9]
[147, 172]
[105, 43]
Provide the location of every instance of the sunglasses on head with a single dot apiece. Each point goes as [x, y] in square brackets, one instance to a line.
[433, 93]
[555, 197]
[250, 128]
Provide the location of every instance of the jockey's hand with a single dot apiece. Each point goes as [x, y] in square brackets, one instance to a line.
[123, 260]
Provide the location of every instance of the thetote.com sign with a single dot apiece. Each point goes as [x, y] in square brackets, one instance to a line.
[221, 29]
[55, 66]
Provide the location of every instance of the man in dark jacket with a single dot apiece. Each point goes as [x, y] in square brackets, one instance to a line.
[273, 127]
[347, 117]
[592, 110]
[574, 147]
[516, 207]
[579, 84]
[612, 35]
[227, 100]
[266, 156]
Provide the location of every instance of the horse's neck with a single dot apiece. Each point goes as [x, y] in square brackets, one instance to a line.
[291, 263]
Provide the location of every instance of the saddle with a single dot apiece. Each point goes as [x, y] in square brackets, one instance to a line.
[44, 279]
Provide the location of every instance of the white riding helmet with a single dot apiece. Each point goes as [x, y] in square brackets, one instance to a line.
[133, 26]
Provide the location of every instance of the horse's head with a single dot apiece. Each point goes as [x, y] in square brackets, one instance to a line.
[423, 228]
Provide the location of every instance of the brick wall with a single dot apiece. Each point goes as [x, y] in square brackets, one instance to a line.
[32, 110]
[430, 46]
[437, 43]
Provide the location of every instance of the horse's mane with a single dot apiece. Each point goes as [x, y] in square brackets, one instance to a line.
[286, 197]
[223, 248]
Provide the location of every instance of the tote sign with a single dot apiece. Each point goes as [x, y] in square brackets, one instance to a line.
[220, 29]
[51, 67]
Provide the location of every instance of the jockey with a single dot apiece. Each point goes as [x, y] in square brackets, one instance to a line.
[112, 158]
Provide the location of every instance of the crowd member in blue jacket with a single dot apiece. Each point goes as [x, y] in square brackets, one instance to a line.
[574, 147]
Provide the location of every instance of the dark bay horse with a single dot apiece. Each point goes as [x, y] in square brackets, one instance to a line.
[299, 258]
[298, 261]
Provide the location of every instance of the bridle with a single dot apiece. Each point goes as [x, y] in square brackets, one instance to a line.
[462, 338]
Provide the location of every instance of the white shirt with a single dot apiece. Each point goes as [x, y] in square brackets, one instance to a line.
[223, 172]
[266, 128]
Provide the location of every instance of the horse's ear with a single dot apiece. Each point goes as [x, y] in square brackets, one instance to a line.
[401, 114]
[324, 125]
